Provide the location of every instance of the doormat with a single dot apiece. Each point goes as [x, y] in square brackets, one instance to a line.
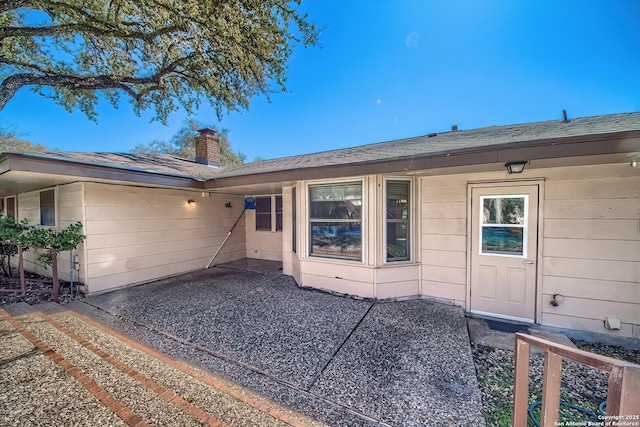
[506, 327]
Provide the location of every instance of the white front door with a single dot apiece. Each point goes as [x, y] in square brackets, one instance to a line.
[504, 247]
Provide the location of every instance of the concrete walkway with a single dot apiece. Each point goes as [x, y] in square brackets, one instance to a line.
[341, 361]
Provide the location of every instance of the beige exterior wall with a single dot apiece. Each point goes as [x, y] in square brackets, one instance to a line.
[443, 219]
[592, 248]
[69, 209]
[138, 234]
[590, 223]
[263, 244]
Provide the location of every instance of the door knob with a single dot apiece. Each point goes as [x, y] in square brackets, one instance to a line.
[529, 261]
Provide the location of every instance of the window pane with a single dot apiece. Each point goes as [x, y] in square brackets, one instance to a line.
[263, 213]
[503, 210]
[397, 241]
[47, 208]
[503, 240]
[278, 213]
[397, 200]
[397, 220]
[11, 207]
[336, 201]
[336, 239]
[335, 228]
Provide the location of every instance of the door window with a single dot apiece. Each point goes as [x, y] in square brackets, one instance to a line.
[504, 225]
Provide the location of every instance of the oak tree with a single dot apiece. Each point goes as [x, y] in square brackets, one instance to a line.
[160, 54]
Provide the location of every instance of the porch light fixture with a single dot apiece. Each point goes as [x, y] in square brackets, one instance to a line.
[515, 167]
[191, 202]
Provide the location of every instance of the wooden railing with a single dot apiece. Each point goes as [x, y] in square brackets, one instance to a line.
[623, 396]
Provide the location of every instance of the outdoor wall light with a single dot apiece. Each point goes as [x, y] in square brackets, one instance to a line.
[191, 202]
[634, 164]
[557, 299]
[515, 167]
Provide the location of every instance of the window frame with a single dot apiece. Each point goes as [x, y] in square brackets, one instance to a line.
[524, 225]
[269, 213]
[294, 220]
[408, 221]
[14, 212]
[54, 207]
[362, 220]
[273, 213]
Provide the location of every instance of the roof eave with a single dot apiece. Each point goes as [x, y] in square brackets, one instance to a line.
[48, 165]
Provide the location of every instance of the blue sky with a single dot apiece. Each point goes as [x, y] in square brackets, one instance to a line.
[386, 70]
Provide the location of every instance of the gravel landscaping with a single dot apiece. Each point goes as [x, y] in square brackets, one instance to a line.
[39, 289]
[581, 385]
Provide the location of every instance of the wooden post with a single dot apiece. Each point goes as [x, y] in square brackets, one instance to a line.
[624, 391]
[54, 268]
[521, 383]
[551, 388]
[21, 268]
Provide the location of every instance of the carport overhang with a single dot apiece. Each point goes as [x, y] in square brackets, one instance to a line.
[27, 172]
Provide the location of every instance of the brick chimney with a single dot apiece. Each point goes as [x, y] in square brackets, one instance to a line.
[208, 147]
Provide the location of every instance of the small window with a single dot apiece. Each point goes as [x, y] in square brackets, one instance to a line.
[48, 208]
[268, 209]
[335, 220]
[398, 231]
[263, 213]
[11, 207]
[504, 223]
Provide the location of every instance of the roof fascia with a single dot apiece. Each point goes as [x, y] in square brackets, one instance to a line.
[25, 163]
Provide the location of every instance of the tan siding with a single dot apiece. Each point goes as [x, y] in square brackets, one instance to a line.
[596, 309]
[444, 242]
[585, 324]
[602, 188]
[138, 234]
[593, 208]
[444, 238]
[446, 210]
[444, 258]
[598, 229]
[455, 276]
[601, 290]
[398, 289]
[620, 250]
[621, 271]
[445, 291]
[592, 247]
[453, 226]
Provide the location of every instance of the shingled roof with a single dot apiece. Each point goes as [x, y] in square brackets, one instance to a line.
[447, 142]
[432, 145]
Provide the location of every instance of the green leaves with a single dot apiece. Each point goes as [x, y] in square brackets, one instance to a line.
[41, 238]
[161, 54]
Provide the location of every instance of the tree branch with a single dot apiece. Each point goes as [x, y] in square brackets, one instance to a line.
[109, 30]
[7, 5]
